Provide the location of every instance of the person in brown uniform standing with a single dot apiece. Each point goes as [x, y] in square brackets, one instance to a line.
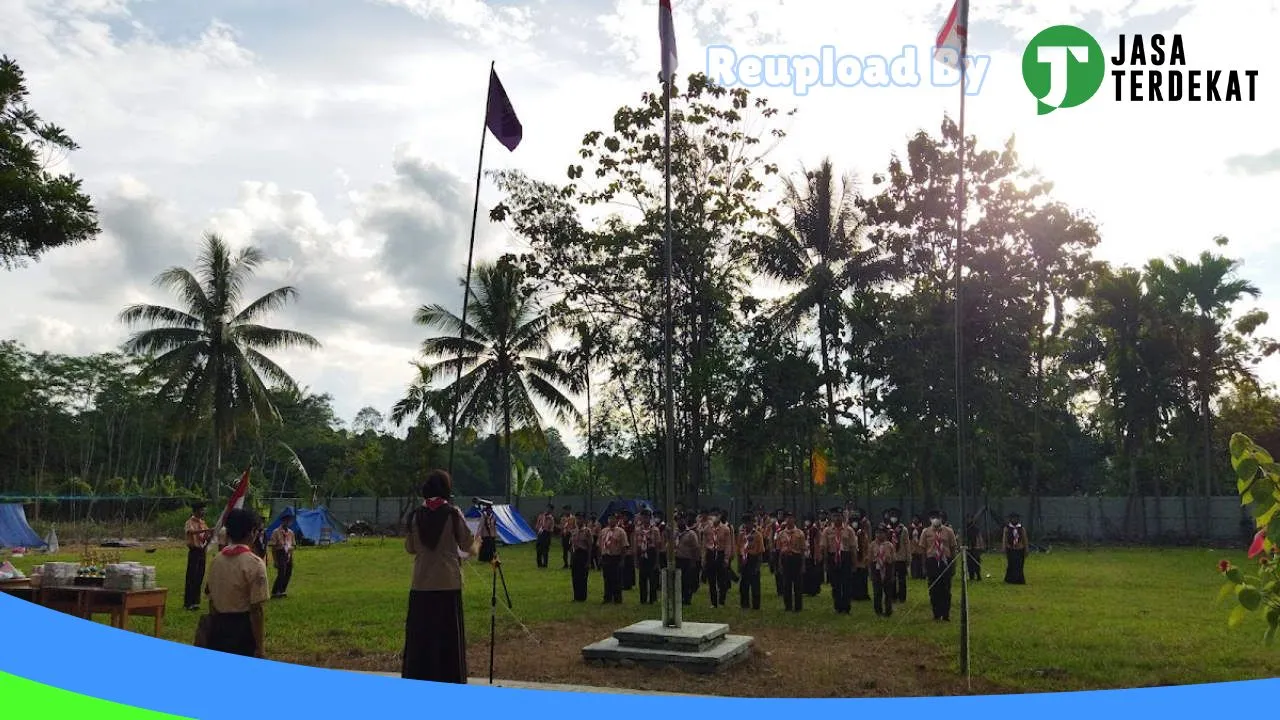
[581, 543]
[648, 543]
[750, 554]
[544, 526]
[1014, 542]
[860, 590]
[613, 546]
[719, 545]
[839, 546]
[940, 548]
[197, 535]
[568, 527]
[914, 531]
[793, 546]
[884, 569]
[900, 536]
[687, 551]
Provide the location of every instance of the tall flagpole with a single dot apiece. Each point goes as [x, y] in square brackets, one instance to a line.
[466, 293]
[670, 617]
[963, 31]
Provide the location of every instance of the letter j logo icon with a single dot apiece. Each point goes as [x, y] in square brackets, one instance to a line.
[1063, 67]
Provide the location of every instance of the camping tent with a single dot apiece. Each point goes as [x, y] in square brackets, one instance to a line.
[512, 529]
[14, 530]
[308, 522]
[625, 506]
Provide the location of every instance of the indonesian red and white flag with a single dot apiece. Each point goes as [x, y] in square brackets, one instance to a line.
[953, 40]
[667, 34]
[235, 502]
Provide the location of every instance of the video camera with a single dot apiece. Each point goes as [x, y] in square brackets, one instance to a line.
[482, 504]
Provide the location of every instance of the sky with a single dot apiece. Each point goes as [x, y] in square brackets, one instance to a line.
[341, 137]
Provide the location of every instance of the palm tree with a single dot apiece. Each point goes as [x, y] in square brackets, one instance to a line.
[818, 252]
[1210, 292]
[506, 358]
[211, 353]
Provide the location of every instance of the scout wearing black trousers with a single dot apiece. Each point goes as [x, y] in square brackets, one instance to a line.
[197, 533]
[914, 531]
[900, 536]
[613, 545]
[545, 525]
[580, 545]
[719, 545]
[568, 525]
[488, 535]
[282, 543]
[839, 546]
[860, 589]
[792, 546]
[687, 559]
[648, 543]
[940, 548]
[976, 543]
[815, 571]
[883, 568]
[750, 553]
[1015, 551]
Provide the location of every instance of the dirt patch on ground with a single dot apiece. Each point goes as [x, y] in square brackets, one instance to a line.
[784, 663]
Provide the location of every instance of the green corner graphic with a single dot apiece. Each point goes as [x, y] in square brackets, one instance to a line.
[27, 700]
[1063, 67]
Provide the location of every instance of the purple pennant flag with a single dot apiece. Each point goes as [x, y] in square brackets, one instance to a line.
[500, 117]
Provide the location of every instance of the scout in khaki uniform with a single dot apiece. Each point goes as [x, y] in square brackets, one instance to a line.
[545, 526]
[1014, 544]
[719, 547]
[687, 551]
[197, 535]
[792, 548]
[940, 548]
[283, 541]
[884, 569]
[648, 545]
[750, 553]
[814, 573]
[860, 590]
[915, 530]
[581, 542]
[900, 535]
[613, 546]
[975, 544]
[568, 526]
[839, 546]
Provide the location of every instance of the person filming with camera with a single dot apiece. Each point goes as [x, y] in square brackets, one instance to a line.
[435, 644]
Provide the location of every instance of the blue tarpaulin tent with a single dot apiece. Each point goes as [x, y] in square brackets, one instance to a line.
[308, 523]
[625, 506]
[512, 529]
[14, 529]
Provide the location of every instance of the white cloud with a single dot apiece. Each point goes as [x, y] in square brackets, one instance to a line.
[344, 141]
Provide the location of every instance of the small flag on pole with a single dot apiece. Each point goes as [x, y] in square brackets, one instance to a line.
[953, 40]
[500, 117]
[667, 34]
[818, 462]
[235, 502]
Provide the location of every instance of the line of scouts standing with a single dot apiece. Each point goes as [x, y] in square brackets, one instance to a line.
[860, 560]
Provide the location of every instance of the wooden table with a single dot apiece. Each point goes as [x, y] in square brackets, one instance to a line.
[121, 604]
[85, 602]
[21, 589]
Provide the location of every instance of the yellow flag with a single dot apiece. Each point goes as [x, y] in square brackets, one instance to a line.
[818, 463]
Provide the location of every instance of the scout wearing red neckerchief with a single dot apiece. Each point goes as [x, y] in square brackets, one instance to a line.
[567, 526]
[883, 569]
[914, 531]
[750, 552]
[793, 547]
[1014, 542]
[839, 547]
[940, 549]
[544, 526]
[648, 545]
[900, 535]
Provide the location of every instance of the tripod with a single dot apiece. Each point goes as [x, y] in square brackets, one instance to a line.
[496, 563]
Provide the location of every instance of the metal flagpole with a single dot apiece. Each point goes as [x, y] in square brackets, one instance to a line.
[466, 292]
[671, 595]
[963, 31]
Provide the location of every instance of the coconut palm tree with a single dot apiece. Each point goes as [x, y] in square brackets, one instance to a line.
[211, 353]
[817, 252]
[1210, 292]
[506, 355]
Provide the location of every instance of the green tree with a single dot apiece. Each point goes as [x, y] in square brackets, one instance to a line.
[506, 355]
[211, 354]
[39, 211]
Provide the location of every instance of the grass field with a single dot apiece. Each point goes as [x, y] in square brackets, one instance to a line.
[1089, 619]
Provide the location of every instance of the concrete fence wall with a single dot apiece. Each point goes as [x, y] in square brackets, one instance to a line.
[1080, 519]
